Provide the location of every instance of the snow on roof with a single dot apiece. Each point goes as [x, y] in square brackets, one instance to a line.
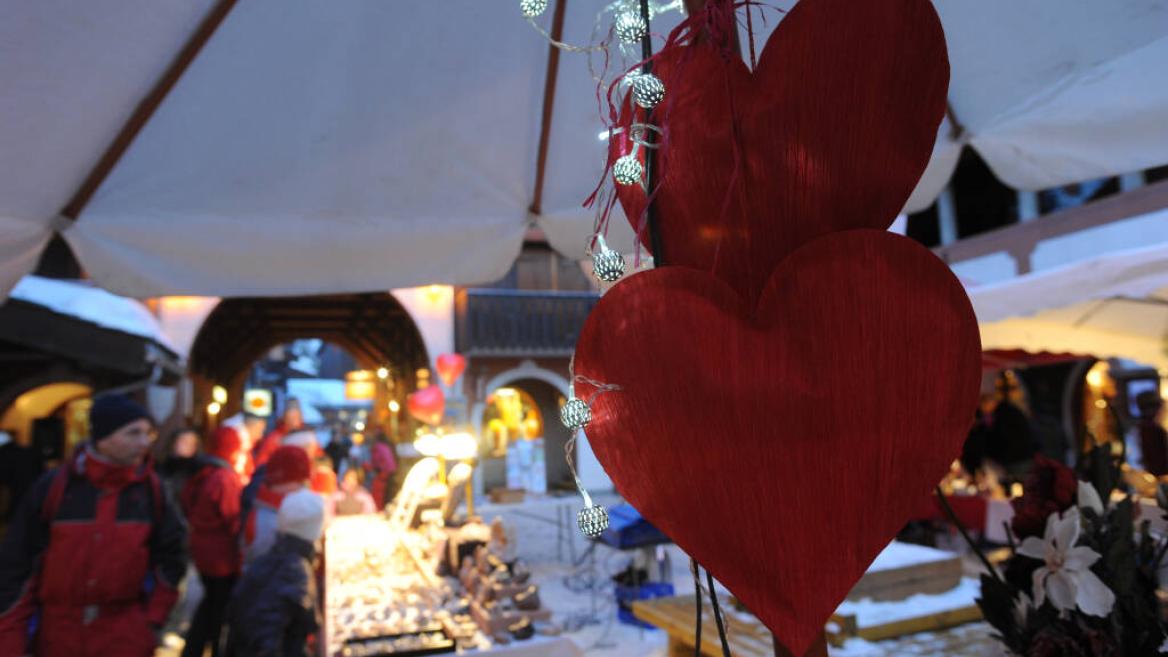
[91, 304]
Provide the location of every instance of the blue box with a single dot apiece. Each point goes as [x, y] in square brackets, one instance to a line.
[626, 595]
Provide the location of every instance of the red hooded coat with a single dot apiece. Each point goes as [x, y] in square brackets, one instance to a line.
[211, 501]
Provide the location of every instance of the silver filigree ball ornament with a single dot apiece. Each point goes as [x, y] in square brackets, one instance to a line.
[608, 265]
[627, 170]
[648, 90]
[532, 8]
[631, 28]
[575, 414]
[592, 520]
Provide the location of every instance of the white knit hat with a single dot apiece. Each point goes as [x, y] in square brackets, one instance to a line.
[301, 514]
[304, 439]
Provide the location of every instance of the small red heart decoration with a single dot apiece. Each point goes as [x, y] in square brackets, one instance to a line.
[782, 445]
[450, 367]
[427, 405]
[831, 132]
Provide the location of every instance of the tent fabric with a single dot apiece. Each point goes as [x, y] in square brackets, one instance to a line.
[71, 74]
[363, 145]
[1114, 305]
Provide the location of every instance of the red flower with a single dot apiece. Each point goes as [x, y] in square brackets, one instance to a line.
[1049, 488]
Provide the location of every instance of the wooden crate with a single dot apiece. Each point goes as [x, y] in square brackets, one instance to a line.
[748, 637]
[935, 572]
[507, 495]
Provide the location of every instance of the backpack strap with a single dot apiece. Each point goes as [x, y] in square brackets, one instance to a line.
[56, 492]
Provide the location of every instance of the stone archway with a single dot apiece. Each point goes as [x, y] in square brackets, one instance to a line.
[589, 469]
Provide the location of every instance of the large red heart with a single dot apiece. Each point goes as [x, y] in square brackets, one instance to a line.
[831, 132]
[783, 446]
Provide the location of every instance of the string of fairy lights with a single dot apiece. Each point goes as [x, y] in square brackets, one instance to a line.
[621, 28]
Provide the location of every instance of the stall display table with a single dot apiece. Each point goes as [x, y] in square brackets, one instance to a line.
[383, 598]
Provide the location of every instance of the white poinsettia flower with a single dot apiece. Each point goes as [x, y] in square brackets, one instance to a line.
[1088, 498]
[1066, 577]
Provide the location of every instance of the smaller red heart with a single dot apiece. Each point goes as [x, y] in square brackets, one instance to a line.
[783, 444]
[427, 405]
[830, 132]
[450, 367]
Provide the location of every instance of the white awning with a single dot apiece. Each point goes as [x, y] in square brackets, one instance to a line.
[366, 145]
[1112, 306]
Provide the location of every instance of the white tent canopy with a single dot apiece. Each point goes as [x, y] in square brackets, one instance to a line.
[365, 145]
[1112, 306]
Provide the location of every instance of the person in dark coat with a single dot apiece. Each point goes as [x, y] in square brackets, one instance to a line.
[211, 503]
[1153, 438]
[175, 459]
[274, 610]
[96, 552]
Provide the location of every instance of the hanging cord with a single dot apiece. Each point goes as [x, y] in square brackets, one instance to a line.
[993, 572]
[599, 388]
[718, 615]
[693, 565]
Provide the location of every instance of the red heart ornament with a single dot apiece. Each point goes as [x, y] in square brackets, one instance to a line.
[784, 445]
[427, 405]
[831, 132]
[450, 367]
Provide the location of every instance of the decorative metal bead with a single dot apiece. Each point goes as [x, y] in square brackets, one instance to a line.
[648, 90]
[607, 265]
[592, 520]
[532, 8]
[627, 170]
[575, 413]
[631, 28]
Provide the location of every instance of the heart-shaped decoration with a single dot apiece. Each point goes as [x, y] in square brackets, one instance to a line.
[450, 367]
[783, 445]
[427, 405]
[831, 132]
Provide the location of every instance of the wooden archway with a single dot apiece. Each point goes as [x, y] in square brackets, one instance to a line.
[374, 328]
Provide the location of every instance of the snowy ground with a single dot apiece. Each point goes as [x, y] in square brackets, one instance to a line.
[590, 618]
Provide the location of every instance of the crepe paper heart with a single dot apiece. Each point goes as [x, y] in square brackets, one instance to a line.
[783, 445]
[450, 367]
[831, 132]
[427, 405]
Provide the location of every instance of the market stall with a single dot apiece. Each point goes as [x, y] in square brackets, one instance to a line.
[408, 583]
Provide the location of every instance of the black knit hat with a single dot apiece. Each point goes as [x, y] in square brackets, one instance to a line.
[112, 412]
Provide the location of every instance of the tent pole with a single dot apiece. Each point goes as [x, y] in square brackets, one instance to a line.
[549, 102]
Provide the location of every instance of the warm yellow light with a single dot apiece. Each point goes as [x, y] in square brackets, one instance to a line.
[1099, 403]
[394, 407]
[359, 426]
[423, 374]
[434, 293]
[359, 385]
[1016, 490]
[1096, 375]
[219, 394]
[383, 373]
[213, 408]
[428, 445]
[459, 447]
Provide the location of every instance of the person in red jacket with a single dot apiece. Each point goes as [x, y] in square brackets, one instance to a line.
[95, 554]
[292, 421]
[211, 502]
[384, 465]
